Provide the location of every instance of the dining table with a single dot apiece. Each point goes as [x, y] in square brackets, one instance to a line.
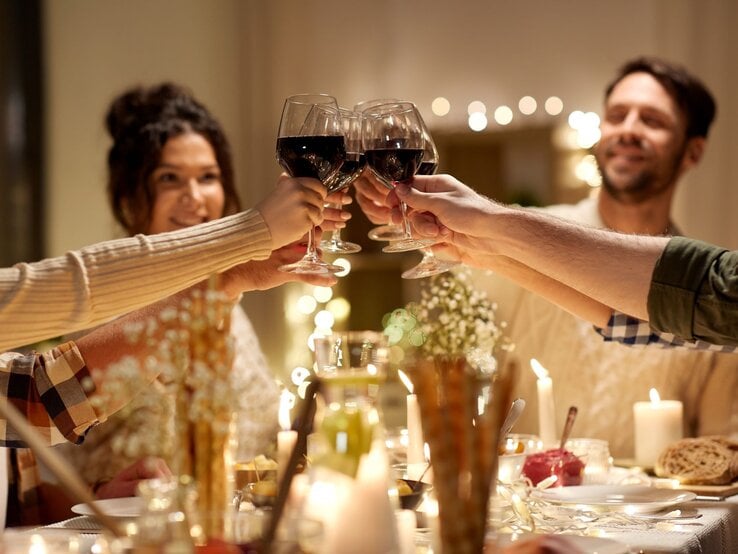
[711, 529]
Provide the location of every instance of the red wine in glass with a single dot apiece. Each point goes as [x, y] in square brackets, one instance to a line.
[319, 157]
[394, 165]
[310, 144]
[348, 172]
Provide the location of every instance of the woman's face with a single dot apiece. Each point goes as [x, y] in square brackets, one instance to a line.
[186, 185]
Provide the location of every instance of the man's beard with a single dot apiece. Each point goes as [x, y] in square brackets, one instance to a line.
[645, 184]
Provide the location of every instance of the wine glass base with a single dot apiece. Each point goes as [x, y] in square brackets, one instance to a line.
[407, 245]
[306, 267]
[386, 233]
[342, 247]
[428, 268]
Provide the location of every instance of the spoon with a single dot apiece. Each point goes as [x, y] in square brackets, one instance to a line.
[518, 405]
[416, 486]
[570, 417]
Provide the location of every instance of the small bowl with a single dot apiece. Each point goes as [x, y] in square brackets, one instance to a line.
[509, 467]
[413, 500]
[262, 494]
[245, 474]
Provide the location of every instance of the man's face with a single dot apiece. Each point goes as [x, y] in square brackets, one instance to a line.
[643, 140]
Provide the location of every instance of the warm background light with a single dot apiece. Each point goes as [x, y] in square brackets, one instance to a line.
[477, 121]
[527, 105]
[503, 115]
[440, 106]
[553, 105]
[476, 106]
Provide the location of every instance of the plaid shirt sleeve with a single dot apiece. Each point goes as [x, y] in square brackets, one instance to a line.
[629, 330]
[52, 390]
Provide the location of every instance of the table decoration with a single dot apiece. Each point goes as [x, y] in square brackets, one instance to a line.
[451, 340]
[192, 354]
[287, 437]
[546, 407]
[415, 442]
[658, 423]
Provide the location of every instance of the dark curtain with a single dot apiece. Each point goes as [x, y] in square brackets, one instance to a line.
[21, 140]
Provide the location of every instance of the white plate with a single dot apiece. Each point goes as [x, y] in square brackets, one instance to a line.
[572, 542]
[128, 507]
[635, 499]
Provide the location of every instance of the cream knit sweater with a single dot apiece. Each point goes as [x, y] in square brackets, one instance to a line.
[90, 286]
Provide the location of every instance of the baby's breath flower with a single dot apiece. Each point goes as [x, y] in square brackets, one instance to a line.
[452, 318]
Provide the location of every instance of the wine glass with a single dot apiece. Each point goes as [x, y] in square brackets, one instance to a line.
[430, 264]
[389, 231]
[310, 144]
[393, 146]
[349, 171]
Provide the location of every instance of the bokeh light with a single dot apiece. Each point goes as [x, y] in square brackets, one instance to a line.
[476, 106]
[440, 106]
[553, 105]
[306, 304]
[527, 105]
[322, 294]
[503, 115]
[477, 121]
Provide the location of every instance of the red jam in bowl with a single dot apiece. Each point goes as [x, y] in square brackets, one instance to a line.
[568, 469]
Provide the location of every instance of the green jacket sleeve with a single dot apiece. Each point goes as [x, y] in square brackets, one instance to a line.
[694, 292]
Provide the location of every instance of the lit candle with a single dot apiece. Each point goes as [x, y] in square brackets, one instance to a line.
[546, 409]
[287, 437]
[415, 442]
[406, 523]
[658, 423]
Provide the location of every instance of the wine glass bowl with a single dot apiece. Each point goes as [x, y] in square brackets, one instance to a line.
[351, 168]
[310, 143]
[429, 265]
[393, 146]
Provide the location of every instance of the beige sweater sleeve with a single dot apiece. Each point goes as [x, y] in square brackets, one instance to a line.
[90, 286]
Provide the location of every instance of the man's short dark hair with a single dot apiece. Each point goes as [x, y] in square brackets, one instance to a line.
[690, 94]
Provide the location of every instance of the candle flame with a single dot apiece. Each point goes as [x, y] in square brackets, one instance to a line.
[286, 401]
[405, 381]
[538, 369]
[426, 451]
[654, 396]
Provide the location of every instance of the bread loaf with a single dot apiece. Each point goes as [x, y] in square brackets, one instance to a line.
[700, 461]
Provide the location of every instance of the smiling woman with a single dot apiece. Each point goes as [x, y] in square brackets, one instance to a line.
[170, 168]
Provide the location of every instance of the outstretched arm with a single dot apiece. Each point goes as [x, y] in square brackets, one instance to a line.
[612, 269]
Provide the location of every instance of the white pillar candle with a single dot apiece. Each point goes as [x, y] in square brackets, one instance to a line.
[406, 530]
[286, 438]
[546, 408]
[658, 423]
[415, 442]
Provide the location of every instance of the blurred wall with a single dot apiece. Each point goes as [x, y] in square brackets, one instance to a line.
[243, 57]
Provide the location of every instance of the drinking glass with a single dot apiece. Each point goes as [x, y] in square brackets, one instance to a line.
[347, 174]
[430, 264]
[351, 366]
[310, 144]
[390, 231]
[393, 146]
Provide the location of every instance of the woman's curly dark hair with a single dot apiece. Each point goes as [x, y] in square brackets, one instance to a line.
[140, 121]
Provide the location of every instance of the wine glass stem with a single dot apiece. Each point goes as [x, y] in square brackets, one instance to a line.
[405, 220]
[335, 239]
[312, 253]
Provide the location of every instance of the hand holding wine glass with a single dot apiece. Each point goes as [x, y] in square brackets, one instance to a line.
[367, 196]
[393, 146]
[310, 144]
[430, 264]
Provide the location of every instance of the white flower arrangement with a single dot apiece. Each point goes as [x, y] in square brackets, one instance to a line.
[452, 318]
